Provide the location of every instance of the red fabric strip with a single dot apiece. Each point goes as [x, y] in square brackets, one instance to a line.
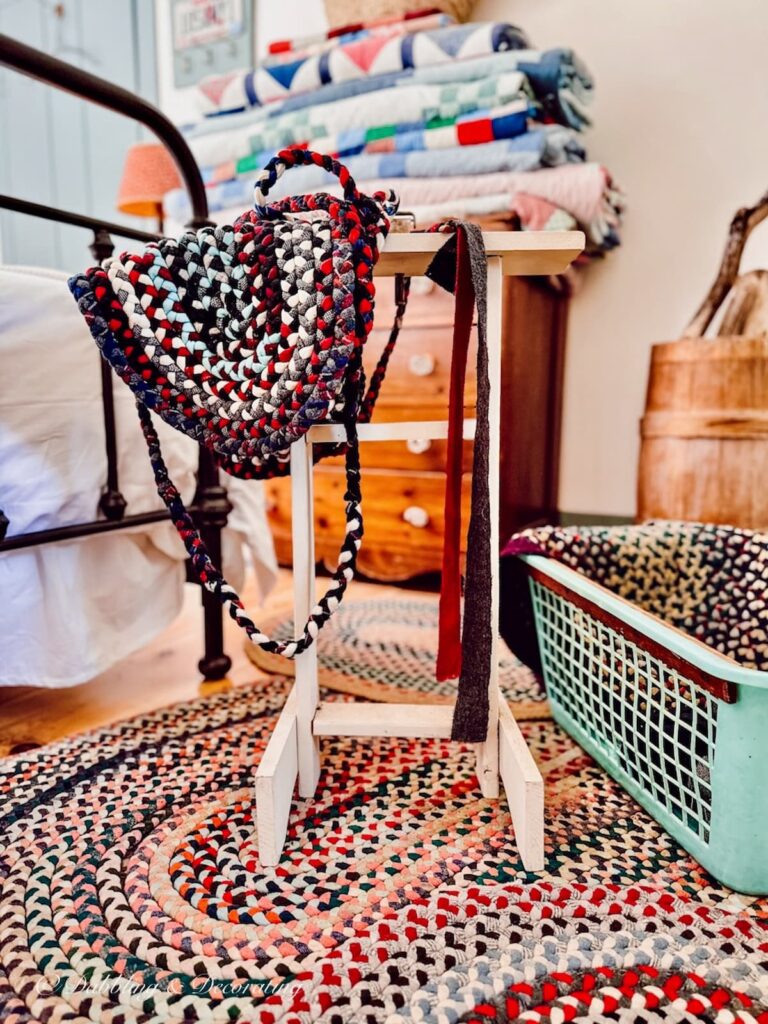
[449, 635]
[472, 133]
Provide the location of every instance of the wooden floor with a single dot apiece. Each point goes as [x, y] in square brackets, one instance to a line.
[162, 673]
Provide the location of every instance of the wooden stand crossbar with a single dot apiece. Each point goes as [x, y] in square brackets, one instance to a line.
[293, 751]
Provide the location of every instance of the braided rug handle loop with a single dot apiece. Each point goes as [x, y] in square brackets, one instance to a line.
[295, 157]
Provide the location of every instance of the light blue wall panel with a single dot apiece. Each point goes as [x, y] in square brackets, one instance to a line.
[25, 124]
[57, 149]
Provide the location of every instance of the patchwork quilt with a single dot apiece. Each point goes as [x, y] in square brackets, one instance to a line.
[371, 55]
[413, 105]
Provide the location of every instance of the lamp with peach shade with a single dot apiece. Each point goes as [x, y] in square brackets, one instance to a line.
[149, 173]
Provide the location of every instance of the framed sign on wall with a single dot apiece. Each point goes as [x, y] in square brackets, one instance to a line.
[197, 39]
[210, 37]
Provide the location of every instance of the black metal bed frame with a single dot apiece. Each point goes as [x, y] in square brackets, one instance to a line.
[210, 506]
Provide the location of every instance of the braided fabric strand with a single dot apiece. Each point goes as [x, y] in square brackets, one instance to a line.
[212, 579]
[245, 336]
[402, 291]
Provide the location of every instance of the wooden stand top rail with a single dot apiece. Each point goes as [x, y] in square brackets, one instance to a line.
[522, 252]
[429, 430]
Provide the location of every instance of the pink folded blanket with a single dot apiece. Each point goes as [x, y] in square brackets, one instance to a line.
[585, 191]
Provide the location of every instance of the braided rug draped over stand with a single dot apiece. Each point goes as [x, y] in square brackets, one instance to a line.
[293, 751]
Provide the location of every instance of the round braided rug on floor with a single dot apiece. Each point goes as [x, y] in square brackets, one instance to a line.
[383, 649]
[131, 890]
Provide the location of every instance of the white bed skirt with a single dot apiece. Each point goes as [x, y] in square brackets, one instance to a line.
[70, 610]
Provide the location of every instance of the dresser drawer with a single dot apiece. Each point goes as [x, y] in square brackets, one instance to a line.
[402, 513]
[417, 383]
[535, 321]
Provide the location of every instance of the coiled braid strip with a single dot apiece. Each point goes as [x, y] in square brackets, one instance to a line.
[244, 337]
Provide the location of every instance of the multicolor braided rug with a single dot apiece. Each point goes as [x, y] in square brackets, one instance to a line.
[131, 890]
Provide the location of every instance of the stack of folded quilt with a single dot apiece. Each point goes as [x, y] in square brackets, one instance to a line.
[460, 120]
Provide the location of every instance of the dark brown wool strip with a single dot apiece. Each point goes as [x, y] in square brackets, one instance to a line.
[470, 717]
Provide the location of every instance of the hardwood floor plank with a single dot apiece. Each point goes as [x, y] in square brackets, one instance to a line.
[162, 673]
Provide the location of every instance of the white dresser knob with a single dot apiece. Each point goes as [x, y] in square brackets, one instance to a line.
[422, 365]
[418, 445]
[416, 516]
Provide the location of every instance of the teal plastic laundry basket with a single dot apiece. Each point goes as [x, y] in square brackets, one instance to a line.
[683, 728]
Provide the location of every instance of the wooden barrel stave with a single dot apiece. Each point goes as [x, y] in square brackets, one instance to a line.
[704, 451]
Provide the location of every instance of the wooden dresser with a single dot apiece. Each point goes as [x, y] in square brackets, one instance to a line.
[403, 482]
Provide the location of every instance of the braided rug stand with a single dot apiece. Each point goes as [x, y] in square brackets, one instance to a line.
[292, 754]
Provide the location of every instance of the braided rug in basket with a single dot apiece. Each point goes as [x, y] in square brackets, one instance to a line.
[245, 336]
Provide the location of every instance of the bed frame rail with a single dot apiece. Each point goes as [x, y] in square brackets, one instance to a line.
[210, 506]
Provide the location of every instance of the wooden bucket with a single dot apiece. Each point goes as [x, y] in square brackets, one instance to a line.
[704, 453]
[704, 449]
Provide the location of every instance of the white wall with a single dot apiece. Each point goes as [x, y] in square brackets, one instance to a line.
[681, 120]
